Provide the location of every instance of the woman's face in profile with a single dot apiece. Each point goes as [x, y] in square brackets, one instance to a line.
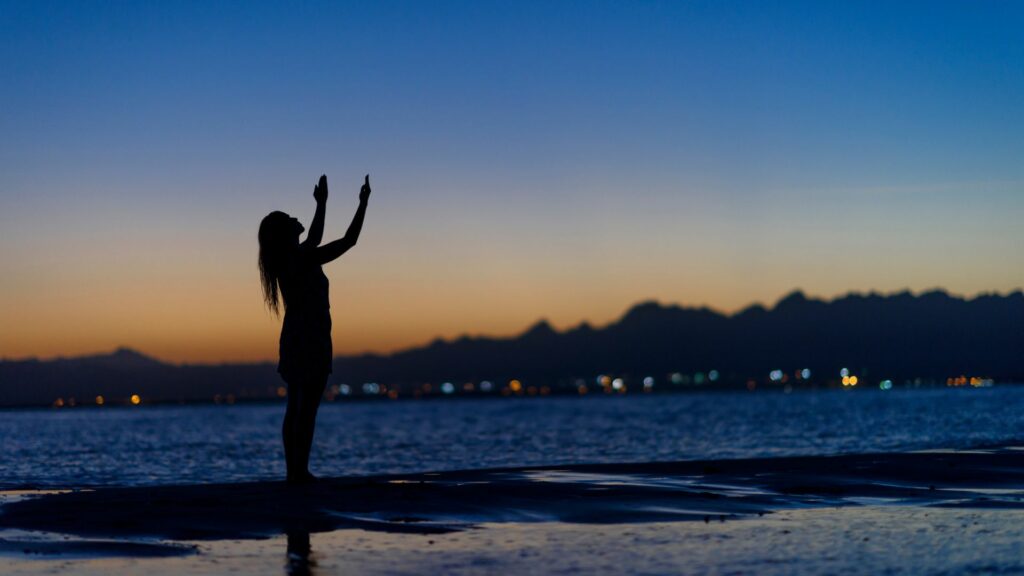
[295, 224]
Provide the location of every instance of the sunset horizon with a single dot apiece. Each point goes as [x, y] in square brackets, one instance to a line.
[513, 332]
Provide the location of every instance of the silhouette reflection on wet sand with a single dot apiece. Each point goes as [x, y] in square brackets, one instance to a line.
[300, 556]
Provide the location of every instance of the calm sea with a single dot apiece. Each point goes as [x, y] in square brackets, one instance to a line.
[194, 444]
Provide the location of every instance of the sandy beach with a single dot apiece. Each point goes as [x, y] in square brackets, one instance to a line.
[866, 513]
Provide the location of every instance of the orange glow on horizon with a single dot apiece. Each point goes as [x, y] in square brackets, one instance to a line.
[223, 328]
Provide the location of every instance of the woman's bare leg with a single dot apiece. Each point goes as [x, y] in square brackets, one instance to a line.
[291, 431]
[313, 392]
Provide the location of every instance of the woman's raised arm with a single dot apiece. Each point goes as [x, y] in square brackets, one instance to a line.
[316, 228]
[332, 250]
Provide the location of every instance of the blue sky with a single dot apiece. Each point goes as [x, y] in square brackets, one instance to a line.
[548, 159]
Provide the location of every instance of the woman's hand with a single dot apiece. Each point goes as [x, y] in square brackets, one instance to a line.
[364, 192]
[320, 190]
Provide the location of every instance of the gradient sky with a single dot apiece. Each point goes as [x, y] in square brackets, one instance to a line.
[529, 159]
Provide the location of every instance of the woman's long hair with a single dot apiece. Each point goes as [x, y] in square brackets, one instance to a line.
[274, 244]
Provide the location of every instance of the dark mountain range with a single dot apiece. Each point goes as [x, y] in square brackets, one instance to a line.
[119, 375]
[928, 337]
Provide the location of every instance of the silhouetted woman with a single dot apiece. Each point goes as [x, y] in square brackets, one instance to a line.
[294, 269]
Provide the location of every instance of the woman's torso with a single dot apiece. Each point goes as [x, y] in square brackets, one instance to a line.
[305, 346]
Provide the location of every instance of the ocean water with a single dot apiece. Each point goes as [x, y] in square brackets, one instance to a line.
[48, 448]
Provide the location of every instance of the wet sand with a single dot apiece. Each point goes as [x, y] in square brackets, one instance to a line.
[854, 513]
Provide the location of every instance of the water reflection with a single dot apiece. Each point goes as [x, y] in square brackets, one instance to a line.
[301, 561]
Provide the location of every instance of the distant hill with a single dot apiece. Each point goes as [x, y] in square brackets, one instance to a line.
[903, 337]
[119, 375]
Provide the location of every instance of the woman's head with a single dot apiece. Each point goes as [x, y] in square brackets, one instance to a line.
[278, 227]
[279, 234]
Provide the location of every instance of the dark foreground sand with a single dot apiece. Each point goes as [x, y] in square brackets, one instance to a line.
[926, 512]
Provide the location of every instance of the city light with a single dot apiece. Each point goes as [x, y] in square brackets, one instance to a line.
[786, 381]
[972, 381]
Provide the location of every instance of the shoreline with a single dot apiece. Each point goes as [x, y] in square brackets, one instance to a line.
[438, 502]
[853, 513]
